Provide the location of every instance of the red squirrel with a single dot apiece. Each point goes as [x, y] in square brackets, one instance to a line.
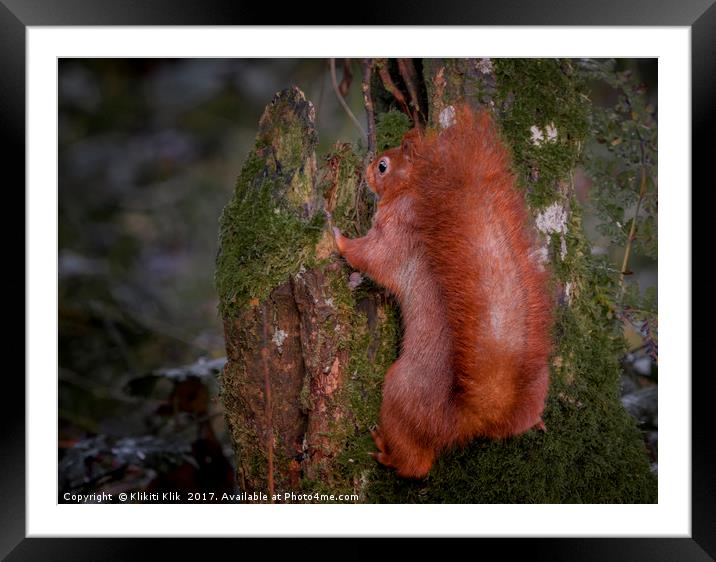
[450, 239]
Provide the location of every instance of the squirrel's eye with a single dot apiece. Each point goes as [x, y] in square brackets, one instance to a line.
[382, 166]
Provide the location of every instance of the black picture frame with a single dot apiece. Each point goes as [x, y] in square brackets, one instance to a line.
[17, 15]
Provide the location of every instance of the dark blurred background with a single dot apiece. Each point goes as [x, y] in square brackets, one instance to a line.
[149, 150]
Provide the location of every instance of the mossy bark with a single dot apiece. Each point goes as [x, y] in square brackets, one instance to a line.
[309, 340]
[302, 336]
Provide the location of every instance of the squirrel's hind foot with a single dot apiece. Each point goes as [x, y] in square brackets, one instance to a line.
[412, 463]
[382, 454]
[378, 438]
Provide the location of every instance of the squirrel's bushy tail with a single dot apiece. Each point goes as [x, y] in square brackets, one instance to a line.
[474, 223]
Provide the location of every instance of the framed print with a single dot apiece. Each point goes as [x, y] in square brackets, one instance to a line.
[221, 339]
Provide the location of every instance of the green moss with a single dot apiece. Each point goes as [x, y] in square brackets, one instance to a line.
[347, 195]
[372, 350]
[262, 238]
[390, 128]
[541, 93]
[362, 392]
[270, 227]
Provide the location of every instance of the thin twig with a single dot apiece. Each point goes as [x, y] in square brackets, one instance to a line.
[334, 81]
[345, 84]
[368, 104]
[407, 72]
[389, 85]
[632, 230]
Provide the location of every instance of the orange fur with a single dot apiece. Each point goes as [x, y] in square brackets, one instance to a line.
[450, 240]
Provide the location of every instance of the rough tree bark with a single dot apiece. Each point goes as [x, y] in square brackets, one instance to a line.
[308, 340]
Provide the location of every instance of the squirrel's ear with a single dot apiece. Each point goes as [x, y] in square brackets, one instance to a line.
[408, 149]
[409, 143]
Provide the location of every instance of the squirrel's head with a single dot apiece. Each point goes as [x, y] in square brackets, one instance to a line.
[390, 171]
